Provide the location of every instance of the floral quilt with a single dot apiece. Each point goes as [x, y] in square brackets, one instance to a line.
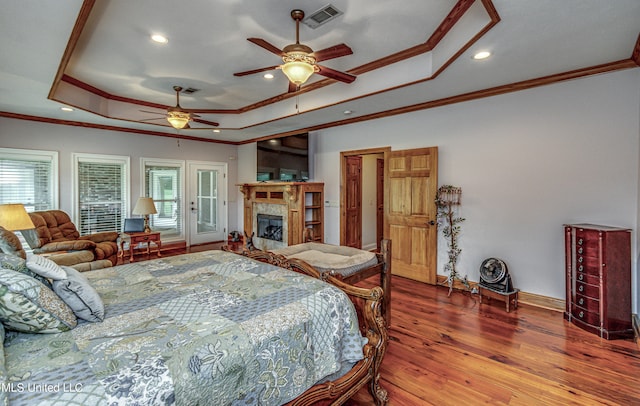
[196, 329]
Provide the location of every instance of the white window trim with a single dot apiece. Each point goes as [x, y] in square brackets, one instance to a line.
[35, 154]
[168, 162]
[78, 157]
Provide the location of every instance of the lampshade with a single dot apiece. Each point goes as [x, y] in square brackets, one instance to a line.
[145, 206]
[14, 217]
[298, 67]
[178, 119]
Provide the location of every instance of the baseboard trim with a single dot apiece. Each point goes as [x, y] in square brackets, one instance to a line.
[524, 298]
[545, 302]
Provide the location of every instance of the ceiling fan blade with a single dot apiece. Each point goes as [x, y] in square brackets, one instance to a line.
[292, 87]
[251, 72]
[335, 51]
[264, 44]
[151, 119]
[335, 74]
[211, 123]
[152, 112]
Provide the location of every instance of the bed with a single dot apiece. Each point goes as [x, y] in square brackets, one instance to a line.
[206, 327]
[351, 265]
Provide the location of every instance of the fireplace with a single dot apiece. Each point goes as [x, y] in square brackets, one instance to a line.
[278, 214]
[269, 226]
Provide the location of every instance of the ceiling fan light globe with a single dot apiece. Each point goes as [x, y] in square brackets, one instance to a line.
[298, 67]
[298, 72]
[177, 119]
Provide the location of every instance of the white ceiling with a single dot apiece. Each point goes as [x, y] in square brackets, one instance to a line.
[126, 72]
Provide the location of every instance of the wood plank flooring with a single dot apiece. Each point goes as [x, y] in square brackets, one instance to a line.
[455, 351]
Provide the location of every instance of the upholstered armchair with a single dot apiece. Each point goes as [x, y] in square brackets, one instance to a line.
[56, 235]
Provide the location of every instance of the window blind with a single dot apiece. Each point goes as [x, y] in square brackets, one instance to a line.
[28, 178]
[101, 195]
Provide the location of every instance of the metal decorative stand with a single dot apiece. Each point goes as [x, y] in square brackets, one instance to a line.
[447, 202]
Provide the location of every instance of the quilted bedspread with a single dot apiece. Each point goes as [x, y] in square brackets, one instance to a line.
[196, 329]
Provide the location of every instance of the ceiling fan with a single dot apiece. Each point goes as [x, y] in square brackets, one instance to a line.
[300, 61]
[178, 117]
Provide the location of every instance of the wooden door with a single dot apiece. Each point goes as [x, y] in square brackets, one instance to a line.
[411, 212]
[353, 202]
[379, 201]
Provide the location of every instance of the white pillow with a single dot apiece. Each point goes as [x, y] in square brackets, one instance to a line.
[45, 267]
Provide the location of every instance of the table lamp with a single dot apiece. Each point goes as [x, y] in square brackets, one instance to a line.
[145, 206]
[14, 217]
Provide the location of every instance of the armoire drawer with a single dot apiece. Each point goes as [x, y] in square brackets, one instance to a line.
[586, 316]
[588, 265]
[588, 303]
[588, 278]
[588, 241]
[588, 290]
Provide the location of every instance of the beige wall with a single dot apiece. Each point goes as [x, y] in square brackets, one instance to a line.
[68, 139]
[528, 162]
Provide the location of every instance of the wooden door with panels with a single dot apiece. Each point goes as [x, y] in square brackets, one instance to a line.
[379, 202]
[411, 212]
[353, 202]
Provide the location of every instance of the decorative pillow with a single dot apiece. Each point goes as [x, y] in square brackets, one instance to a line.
[29, 306]
[80, 296]
[45, 267]
[14, 262]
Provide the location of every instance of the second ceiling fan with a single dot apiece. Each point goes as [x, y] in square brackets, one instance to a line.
[300, 61]
[179, 117]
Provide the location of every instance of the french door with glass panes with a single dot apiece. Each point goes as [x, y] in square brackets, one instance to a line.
[207, 203]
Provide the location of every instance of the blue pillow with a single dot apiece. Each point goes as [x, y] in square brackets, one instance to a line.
[79, 295]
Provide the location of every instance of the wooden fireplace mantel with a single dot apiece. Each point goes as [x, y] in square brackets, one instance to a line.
[304, 202]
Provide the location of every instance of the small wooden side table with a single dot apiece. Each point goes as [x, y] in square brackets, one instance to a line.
[507, 297]
[137, 238]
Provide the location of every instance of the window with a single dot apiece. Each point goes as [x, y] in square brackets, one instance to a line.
[164, 183]
[102, 191]
[29, 177]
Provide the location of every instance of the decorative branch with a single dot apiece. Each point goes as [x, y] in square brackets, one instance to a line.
[448, 198]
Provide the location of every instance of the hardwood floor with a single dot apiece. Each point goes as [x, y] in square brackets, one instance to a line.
[455, 351]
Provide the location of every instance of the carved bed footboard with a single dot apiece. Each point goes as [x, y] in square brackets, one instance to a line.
[368, 304]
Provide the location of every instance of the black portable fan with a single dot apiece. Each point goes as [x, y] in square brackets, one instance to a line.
[494, 275]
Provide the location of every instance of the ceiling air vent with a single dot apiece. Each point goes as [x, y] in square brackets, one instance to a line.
[190, 90]
[322, 16]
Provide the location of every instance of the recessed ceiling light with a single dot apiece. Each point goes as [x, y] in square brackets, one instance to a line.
[482, 55]
[268, 75]
[216, 131]
[347, 112]
[160, 39]
[66, 109]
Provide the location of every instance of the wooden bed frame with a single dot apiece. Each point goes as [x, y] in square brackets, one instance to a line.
[382, 268]
[368, 304]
